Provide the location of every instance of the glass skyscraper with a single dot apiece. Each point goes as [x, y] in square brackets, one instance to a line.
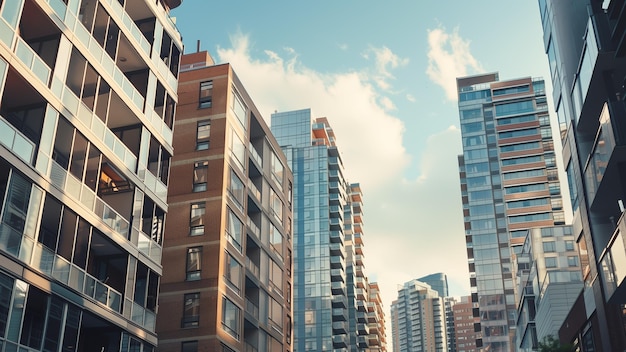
[509, 183]
[328, 273]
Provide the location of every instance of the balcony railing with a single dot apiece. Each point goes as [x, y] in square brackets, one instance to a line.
[15, 141]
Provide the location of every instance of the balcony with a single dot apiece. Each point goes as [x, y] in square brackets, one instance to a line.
[337, 275]
[337, 249]
[337, 262]
[340, 314]
[613, 265]
[362, 329]
[340, 341]
[339, 301]
[336, 236]
[340, 327]
[338, 288]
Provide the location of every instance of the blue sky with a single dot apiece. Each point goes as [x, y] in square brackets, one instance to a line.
[383, 73]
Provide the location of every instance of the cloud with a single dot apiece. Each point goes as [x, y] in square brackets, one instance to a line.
[411, 98]
[449, 57]
[367, 134]
[385, 60]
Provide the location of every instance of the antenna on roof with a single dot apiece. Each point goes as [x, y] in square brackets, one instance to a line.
[198, 46]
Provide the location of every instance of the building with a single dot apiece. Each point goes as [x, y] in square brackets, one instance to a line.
[438, 282]
[330, 287]
[377, 336]
[421, 320]
[549, 282]
[509, 183]
[449, 303]
[464, 323]
[585, 49]
[84, 156]
[227, 279]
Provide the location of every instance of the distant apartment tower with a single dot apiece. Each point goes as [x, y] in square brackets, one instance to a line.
[439, 283]
[377, 336]
[586, 51]
[227, 263]
[421, 320]
[465, 325]
[328, 259]
[83, 192]
[509, 183]
[549, 282]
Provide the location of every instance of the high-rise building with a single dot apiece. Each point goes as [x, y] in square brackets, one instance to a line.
[549, 281]
[421, 319]
[465, 323]
[509, 183]
[227, 262]
[584, 43]
[87, 101]
[377, 337]
[330, 286]
[438, 282]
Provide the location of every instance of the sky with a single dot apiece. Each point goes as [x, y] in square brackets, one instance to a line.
[384, 74]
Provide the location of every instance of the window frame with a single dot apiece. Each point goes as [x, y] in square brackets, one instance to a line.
[203, 127]
[200, 166]
[191, 320]
[198, 228]
[205, 99]
[193, 272]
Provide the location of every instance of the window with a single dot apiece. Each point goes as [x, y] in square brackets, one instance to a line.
[569, 245]
[237, 150]
[276, 312]
[517, 133]
[240, 109]
[200, 175]
[189, 346]
[514, 108]
[230, 317]
[527, 203]
[519, 147]
[276, 240]
[233, 273]
[191, 310]
[206, 94]
[523, 160]
[511, 90]
[203, 133]
[549, 246]
[524, 174]
[236, 188]
[572, 261]
[526, 188]
[530, 217]
[276, 277]
[550, 262]
[276, 205]
[234, 230]
[277, 169]
[196, 224]
[194, 263]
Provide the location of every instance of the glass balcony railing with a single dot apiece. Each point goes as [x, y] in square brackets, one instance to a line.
[256, 156]
[252, 309]
[79, 191]
[53, 265]
[122, 18]
[15, 141]
[254, 228]
[29, 58]
[148, 247]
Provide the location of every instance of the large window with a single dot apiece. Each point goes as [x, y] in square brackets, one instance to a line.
[196, 223]
[233, 272]
[549, 246]
[276, 240]
[530, 217]
[240, 109]
[518, 133]
[511, 90]
[206, 94]
[524, 174]
[237, 149]
[514, 108]
[277, 169]
[528, 203]
[276, 205]
[235, 188]
[519, 147]
[194, 263]
[189, 346]
[200, 175]
[276, 312]
[230, 317]
[522, 160]
[203, 133]
[234, 230]
[276, 276]
[191, 310]
[526, 188]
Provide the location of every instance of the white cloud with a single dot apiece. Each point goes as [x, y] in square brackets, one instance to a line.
[449, 57]
[366, 134]
[385, 61]
[411, 98]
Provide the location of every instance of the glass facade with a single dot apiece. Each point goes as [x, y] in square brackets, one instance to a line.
[330, 288]
[503, 174]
